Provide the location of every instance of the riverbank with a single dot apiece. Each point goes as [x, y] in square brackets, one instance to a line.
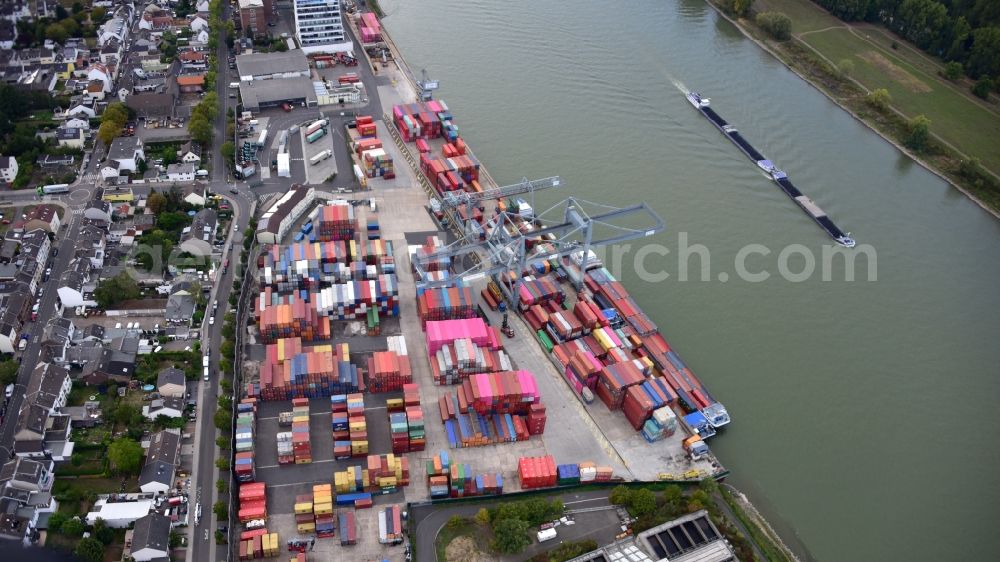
[965, 175]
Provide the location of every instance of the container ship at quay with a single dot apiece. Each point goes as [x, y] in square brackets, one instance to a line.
[703, 105]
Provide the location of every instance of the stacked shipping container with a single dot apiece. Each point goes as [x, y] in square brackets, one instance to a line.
[389, 370]
[323, 517]
[390, 525]
[406, 421]
[350, 429]
[301, 446]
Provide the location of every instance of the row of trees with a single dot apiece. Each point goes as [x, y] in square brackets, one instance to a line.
[963, 31]
[200, 124]
[512, 522]
[33, 32]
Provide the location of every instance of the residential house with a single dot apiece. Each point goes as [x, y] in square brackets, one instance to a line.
[120, 514]
[162, 457]
[127, 151]
[75, 286]
[70, 137]
[56, 339]
[44, 217]
[63, 70]
[192, 60]
[90, 243]
[197, 239]
[171, 383]
[8, 34]
[202, 6]
[15, 310]
[102, 72]
[88, 415]
[115, 29]
[81, 110]
[8, 169]
[114, 366]
[191, 83]
[48, 387]
[110, 170]
[190, 153]
[95, 90]
[169, 407]
[153, 105]
[25, 497]
[41, 432]
[111, 53]
[198, 23]
[180, 172]
[151, 538]
[182, 300]
[98, 209]
[77, 123]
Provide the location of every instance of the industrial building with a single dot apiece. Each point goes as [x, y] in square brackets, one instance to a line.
[264, 94]
[266, 66]
[255, 15]
[319, 26]
[278, 220]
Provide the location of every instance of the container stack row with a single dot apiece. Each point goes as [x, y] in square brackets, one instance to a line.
[455, 361]
[422, 120]
[458, 480]
[305, 518]
[380, 473]
[443, 332]
[323, 516]
[426, 255]
[536, 472]
[370, 29]
[445, 303]
[259, 545]
[301, 445]
[348, 528]
[508, 416]
[335, 220]
[350, 429]
[390, 525]
[406, 421]
[289, 372]
[293, 318]
[253, 502]
[244, 443]
[389, 370]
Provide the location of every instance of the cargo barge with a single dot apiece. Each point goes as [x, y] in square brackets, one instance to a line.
[703, 105]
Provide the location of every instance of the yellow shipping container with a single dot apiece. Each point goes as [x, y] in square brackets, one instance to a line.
[323, 508]
[394, 404]
[387, 481]
[304, 528]
[321, 488]
[359, 447]
[301, 508]
[322, 348]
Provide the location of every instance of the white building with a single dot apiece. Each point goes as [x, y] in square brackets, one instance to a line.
[8, 169]
[278, 220]
[180, 172]
[151, 538]
[127, 151]
[119, 515]
[319, 26]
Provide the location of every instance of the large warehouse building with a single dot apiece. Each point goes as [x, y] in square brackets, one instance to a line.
[264, 94]
[267, 66]
[319, 26]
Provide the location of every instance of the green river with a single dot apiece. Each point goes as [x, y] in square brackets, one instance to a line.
[864, 412]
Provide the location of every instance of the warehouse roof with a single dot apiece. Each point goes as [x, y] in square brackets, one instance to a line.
[267, 64]
[119, 511]
[259, 92]
[271, 221]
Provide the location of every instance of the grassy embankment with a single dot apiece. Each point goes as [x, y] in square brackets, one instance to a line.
[965, 131]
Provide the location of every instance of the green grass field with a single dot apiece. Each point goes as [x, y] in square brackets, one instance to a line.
[956, 119]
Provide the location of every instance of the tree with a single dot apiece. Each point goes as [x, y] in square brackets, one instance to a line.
[73, 527]
[116, 113]
[200, 129]
[879, 99]
[102, 532]
[125, 456]
[642, 502]
[56, 522]
[61, 12]
[108, 131]
[845, 67]
[221, 510]
[953, 70]
[77, 7]
[8, 372]
[97, 14]
[119, 288]
[220, 486]
[620, 495]
[482, 517]
[222, 420]
[984, 56]
[919, 133]
[510, 536]
[222, 463]
[156, 202]
[142, 166]
[228, 150]
[776, 24]
[89, 550]
[982, 87]
[222, 442]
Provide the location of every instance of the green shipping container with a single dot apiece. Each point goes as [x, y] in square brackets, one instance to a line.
[544, 338]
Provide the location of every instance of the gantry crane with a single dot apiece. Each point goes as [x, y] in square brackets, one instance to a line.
[565, 228]
[452, 199]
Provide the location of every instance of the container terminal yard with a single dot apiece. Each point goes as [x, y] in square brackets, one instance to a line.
[435, 336]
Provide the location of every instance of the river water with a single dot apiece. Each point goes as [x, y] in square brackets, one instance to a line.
[865, 423]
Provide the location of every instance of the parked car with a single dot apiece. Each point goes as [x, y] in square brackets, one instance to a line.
[286, 107]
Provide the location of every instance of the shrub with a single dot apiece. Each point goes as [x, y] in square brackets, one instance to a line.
[776, 24]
